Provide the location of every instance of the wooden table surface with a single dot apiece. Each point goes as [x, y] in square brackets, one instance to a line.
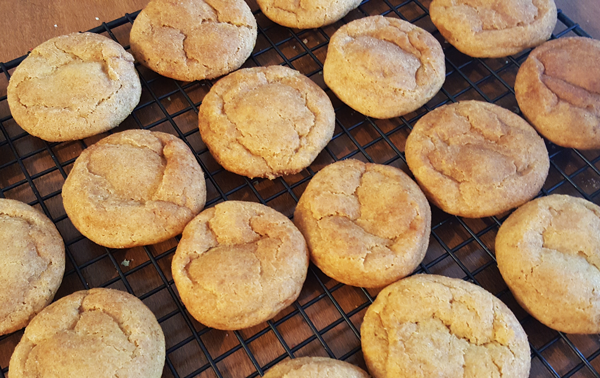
[27, 23]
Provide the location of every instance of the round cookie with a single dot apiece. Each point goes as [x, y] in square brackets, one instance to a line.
[32, 262]
[365, 225]
[266, 121]
[557, 89]
[315, 367]
[312, 13]
[238, 264]
[193, 39]
[384, 67]
[548, 253]
[96, 333]
[73, 86]
[134, 188]
[476, 159]
[491, 28]
[434, 326]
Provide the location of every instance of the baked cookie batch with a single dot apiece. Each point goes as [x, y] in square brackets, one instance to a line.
[238, 264]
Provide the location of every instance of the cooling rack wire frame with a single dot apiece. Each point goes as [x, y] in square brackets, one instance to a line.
[325, 321]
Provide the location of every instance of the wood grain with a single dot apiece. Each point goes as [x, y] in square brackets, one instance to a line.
[584, 12]
[28, 23]
[32, 22]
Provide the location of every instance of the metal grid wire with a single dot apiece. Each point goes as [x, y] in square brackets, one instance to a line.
[326, 318]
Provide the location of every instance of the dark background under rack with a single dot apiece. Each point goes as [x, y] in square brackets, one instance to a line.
[325, 321]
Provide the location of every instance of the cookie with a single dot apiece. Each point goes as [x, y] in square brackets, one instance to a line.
[384, 67]
[133, 188]
[365, 225]
[96, 333]
[476, 159]
[548, 253]
[238, 264]
[557, 89]
[311, 14]
[32, 262]
[193, 39]
[315, 367]
[435, 326]
[72, 87]
[493, 29]
[266, 121]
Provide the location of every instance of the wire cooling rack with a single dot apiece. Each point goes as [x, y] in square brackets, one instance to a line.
[326, 319]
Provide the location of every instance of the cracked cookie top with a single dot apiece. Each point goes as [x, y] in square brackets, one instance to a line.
[132, 188]
[238, 264]
[476, 159]
[315, 367]
[548, 252]
[558, 90]
[384, 67]
[306, 14]
[95, 333]
[434, 326]
[494, 28]
[193, 39]
[266, 121]
[32, 263]
[365, 224]
[73, 86]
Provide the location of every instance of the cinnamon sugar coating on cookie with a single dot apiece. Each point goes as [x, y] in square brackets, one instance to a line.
[193, 39]
[306, 14]
[365, 224]
[266, 121]
[238, 264]
[434, 326]
[133, 188]
[384, 67]
[32, 262]
[74, 86]
[494, 28]
[476, 159]
[558, 90]
[548, 252]
[315, 367]
[96, 333]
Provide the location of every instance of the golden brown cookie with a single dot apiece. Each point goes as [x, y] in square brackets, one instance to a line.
[315, 367]
[193, 39]
[492, 28]
[96, 333]
[558, 90]
[32, 263]
[434, 326]
[238, 264]
[548, 252]
[384, 67]
[266, 121]
[365, 224]
[133, 188]
[311, 14]
[476, 159]
[74, 86]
